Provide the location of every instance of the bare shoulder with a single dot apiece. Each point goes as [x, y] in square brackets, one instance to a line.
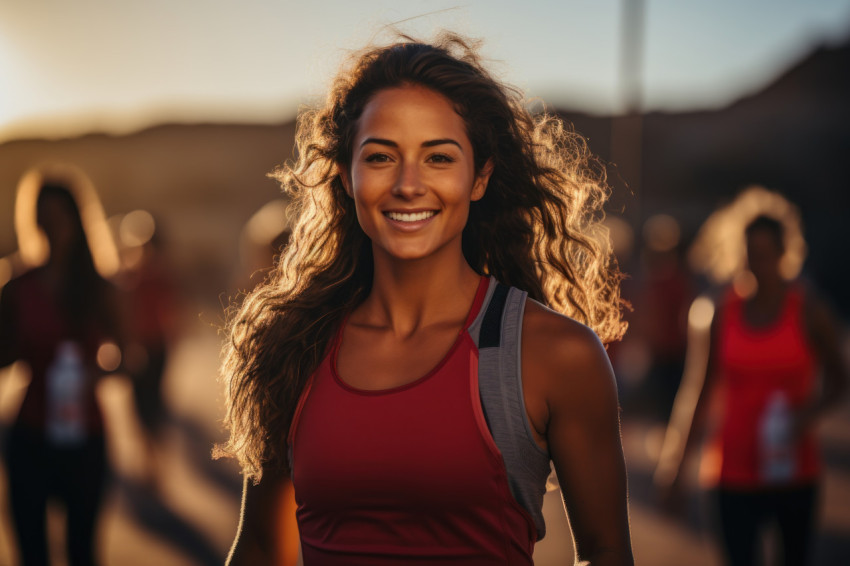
[817, 310]
[822, 327]
[560, 342]
[564, 360]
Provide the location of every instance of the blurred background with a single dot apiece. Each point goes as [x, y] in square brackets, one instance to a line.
[175, 112]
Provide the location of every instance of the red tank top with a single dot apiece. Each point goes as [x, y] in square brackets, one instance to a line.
[40, 327]
[758, 368]
[408, 474]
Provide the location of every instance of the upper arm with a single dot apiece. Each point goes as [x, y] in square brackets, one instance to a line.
[266, 532]
[117, 320]
[583, 435]
[824, 338]
[8, 326]
[702, 360]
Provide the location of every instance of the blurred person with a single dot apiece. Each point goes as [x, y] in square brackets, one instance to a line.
[663, 292]
[761, 398]
[379, 367]
[56, 318]
[264, 238]
[261, 242]
[153, 302]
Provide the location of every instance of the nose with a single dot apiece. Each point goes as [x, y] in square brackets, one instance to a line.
[409, 183]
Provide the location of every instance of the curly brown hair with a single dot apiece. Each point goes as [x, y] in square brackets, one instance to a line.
[538, 227]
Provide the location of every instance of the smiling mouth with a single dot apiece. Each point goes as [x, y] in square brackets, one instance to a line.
[410, 216]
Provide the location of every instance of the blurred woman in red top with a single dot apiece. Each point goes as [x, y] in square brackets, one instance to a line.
[55, 318]
[764, 357]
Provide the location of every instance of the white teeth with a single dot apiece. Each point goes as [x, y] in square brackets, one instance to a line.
[410, 216]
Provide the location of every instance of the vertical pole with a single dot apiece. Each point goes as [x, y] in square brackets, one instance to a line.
[627, 125]
[631, 55]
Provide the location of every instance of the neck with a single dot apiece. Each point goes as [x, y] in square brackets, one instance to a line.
[769, 290]
[409, 294]
[57, 266]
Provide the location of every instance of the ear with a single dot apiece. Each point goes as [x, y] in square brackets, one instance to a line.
[479, 186]
[345, 178]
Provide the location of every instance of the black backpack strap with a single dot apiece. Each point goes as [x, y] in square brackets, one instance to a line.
[491, 325]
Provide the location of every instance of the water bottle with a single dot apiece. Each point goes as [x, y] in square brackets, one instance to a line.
[778, 462]
[66, 378]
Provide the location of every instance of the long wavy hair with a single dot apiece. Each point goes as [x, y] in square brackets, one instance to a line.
[83, 296]
[538, 227]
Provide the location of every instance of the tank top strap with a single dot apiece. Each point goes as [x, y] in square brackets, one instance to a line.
[731, 303]
[481, 294]
[795, 299]
[497, 332]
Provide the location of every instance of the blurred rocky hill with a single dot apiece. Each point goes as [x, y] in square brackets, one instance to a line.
[793, 136]
[202, 182]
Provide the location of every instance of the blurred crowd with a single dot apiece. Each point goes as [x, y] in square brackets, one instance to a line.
[90, 300]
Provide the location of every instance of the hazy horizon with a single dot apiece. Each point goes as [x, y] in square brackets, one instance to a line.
[95, 66]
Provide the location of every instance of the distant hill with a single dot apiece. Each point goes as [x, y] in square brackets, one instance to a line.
[204, 181]
[793, 136]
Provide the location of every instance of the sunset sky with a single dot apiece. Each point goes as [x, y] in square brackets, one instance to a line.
[98, 65]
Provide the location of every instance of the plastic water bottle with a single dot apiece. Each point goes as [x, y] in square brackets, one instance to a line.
[778, 463]
[65, 396]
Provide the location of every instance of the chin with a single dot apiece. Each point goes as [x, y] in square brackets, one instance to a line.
[406, 255]
[404, 252]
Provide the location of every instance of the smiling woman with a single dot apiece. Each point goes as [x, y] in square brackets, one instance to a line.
[426, 343]
[412, 174]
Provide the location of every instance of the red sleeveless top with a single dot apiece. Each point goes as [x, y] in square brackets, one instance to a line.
[408, 474]
[40, 327]
[757, 365]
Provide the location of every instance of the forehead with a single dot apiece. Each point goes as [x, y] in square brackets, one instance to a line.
[51, 202]
[410, 111]
[764, 238]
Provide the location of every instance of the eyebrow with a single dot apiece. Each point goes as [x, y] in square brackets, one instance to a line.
[429, 143]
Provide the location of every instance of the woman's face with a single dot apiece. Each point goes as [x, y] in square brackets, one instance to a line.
[763, 255]
[412, 173]
[58, 223]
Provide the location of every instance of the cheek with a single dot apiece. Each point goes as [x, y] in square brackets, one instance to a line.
[456, 188]
[364, 198]
[362, 210]
[366, 185]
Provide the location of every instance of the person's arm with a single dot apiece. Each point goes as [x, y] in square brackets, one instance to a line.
[567, 362]
[266, 533]
[824, 338]
[690, 408]
[8, 327]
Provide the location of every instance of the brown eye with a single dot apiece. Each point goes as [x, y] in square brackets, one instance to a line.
[377, 158]
[440, 158]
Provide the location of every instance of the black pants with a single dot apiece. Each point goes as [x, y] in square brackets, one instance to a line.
[73, 476]
[743, 516]
[147, 391]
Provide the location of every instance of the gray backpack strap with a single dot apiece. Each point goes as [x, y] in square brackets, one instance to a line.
[498, 335]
